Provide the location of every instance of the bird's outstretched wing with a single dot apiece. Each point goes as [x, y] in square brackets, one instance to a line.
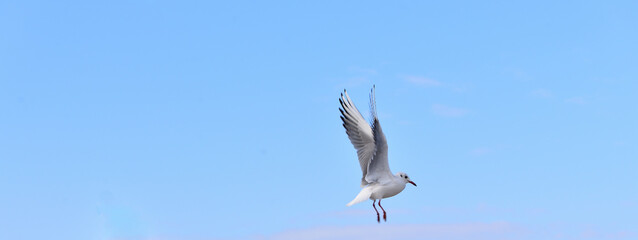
[369, 141]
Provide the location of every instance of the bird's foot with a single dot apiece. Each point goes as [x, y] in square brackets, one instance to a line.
[378, 219]
[384, 218]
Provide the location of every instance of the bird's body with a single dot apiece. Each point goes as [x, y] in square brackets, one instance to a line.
[377, 181]
[379, 191]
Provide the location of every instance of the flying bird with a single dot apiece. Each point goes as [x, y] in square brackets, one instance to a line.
[377, 181]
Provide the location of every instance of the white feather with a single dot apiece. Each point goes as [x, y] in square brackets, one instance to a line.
[363, 195]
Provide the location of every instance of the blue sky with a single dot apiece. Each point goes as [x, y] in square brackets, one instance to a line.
[218, 120]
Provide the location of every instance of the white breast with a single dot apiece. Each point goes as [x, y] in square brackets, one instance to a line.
[387, 190]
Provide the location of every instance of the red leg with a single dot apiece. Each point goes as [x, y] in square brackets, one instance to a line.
[375, 209]
[384, 218]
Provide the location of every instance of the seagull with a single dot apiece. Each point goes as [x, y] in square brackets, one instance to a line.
[377, 181]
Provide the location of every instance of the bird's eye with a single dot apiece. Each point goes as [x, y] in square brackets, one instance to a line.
[406, 176]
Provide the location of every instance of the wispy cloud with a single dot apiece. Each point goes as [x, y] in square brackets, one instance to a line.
[422, 81]
[447, 111]
[361, 70]
[475, 231]
[349, 212]
[592, 234]
[548, 94]
[427, 231]
[542, 93]
[480, 151]
[575, 100]
[518, 73]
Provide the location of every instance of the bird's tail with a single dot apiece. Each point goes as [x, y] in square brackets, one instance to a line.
[362, 196]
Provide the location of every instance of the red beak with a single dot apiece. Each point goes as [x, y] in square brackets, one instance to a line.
[412, 183]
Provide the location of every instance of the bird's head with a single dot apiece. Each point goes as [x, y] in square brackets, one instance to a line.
[405, 178]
